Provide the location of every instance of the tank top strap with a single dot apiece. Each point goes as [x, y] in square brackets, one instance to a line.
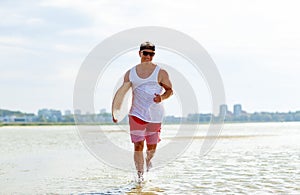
[132, 73]
[154, 75]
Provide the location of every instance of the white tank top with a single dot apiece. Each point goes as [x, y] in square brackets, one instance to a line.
[143, 91]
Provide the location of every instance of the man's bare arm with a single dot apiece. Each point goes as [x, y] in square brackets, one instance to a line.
[165, 82]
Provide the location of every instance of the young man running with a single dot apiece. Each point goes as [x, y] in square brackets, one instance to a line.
[150, 86]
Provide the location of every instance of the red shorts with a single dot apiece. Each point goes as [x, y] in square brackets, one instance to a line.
[141, 130]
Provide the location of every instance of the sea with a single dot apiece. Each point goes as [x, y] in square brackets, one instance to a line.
[243, 158]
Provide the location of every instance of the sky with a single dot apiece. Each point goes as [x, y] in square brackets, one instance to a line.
[254, 44]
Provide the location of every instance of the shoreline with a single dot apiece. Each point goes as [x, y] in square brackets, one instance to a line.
[74, 124]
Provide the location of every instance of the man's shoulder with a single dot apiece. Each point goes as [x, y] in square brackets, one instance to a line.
[163, 72]
[131, 69]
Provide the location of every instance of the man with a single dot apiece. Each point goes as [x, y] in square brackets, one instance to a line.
[150, 86]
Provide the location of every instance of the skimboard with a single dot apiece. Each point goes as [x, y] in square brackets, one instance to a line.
[117, 108]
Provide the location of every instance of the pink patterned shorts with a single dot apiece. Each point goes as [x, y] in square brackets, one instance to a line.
[141, 130]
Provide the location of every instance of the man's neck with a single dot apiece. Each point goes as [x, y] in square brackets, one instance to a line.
[146, 63]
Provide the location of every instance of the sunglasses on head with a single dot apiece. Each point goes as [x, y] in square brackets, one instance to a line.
[145, 53]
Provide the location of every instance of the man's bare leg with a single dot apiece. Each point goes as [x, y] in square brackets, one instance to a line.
[139, 158]
[150, 153]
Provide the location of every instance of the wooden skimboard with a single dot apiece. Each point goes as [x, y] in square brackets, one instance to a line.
[117, 109]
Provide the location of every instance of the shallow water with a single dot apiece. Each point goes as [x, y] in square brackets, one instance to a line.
[256, 158]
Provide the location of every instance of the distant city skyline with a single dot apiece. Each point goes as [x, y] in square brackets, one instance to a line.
[51, 116]
[224, 109]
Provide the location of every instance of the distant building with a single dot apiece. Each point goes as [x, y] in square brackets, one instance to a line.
[7, 118]
[68, 112]
[237, 110]
[44, 114]
[77, 112]
[223, 110]
[102, 111]
[172, 119]
[20, 119]
[47, 115]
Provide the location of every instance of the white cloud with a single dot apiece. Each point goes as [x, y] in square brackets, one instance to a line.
[13, 40]
[70, 48]
[35, 21]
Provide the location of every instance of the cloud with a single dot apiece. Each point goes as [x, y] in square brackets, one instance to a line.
[35, 21]
[69, 49]
[13, 41]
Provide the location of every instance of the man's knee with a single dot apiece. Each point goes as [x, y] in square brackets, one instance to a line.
[139, 146]
[151, 147]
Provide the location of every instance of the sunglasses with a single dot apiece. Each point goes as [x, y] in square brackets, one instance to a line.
[145, 53]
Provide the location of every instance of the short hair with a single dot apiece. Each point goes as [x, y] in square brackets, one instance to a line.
[147, 45]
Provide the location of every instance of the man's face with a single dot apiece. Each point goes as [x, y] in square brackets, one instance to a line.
[146, 55]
